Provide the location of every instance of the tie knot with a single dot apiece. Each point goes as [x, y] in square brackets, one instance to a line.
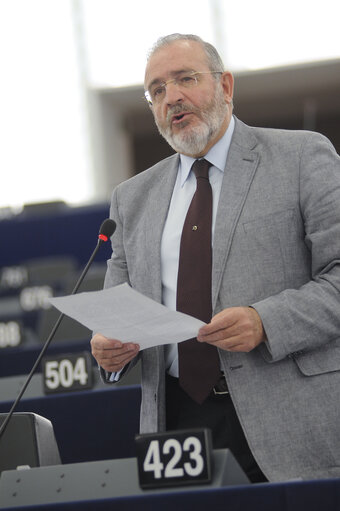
[201, 168]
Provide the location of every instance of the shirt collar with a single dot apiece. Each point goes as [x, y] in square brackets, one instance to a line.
[217, 155]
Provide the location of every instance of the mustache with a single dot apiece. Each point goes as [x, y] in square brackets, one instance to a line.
[179, 109]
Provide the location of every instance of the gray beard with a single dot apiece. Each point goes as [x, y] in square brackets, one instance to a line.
[194, 140]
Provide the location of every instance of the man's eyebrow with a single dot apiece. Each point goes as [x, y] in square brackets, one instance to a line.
[173, 74]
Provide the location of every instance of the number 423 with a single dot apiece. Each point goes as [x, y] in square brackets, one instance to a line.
[193, 468]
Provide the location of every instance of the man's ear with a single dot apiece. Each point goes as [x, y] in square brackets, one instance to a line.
[227, 82]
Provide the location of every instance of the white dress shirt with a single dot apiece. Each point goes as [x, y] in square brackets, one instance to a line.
[184, 190]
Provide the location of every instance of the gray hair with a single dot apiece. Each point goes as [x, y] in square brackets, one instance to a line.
[215, 62]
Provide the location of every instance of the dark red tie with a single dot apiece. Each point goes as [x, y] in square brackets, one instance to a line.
[198, 362]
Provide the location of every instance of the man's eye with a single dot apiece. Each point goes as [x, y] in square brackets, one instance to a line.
[187, 80]
[158, 91]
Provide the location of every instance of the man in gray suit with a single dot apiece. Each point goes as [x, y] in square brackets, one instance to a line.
[275, 272]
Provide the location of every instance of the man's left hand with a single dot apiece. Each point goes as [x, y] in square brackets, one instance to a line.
[234, 329]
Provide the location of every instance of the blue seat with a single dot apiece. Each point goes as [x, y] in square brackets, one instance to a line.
[90, 425]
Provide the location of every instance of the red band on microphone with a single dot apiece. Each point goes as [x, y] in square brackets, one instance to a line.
[103, 237]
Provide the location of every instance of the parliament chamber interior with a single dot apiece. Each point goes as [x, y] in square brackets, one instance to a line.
[44, 249]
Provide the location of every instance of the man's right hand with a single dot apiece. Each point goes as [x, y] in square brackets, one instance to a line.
[111, 354]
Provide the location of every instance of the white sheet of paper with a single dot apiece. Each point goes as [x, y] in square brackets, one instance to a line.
[122, 313]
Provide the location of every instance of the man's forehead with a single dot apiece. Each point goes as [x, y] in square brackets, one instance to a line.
[170, 59]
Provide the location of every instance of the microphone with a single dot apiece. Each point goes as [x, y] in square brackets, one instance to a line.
[106, 230]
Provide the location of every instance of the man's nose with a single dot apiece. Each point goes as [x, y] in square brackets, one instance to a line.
[173, 94]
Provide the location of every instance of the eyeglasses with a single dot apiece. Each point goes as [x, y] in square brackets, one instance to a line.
[184, 81]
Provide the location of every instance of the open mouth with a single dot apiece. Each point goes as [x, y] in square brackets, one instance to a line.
[179, 117]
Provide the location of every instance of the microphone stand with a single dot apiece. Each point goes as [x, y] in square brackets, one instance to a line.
[101, 238]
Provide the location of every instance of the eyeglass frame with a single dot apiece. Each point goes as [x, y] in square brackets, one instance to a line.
[147, 94]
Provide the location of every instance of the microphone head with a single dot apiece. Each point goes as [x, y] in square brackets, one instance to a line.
[107, 228]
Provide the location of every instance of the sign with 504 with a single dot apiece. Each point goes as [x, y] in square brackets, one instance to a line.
[71, 372]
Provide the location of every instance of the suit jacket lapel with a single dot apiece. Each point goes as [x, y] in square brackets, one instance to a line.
[240, 168]
[157, 210]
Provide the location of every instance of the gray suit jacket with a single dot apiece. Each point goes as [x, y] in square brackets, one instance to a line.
[277, 248]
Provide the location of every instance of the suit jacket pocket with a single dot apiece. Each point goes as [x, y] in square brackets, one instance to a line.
[325, 359]
[272, 245]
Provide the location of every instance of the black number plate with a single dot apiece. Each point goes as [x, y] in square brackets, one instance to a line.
[174, 458]
[70, 372]
[10, 334]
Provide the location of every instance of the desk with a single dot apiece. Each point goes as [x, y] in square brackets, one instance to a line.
[321, 495]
